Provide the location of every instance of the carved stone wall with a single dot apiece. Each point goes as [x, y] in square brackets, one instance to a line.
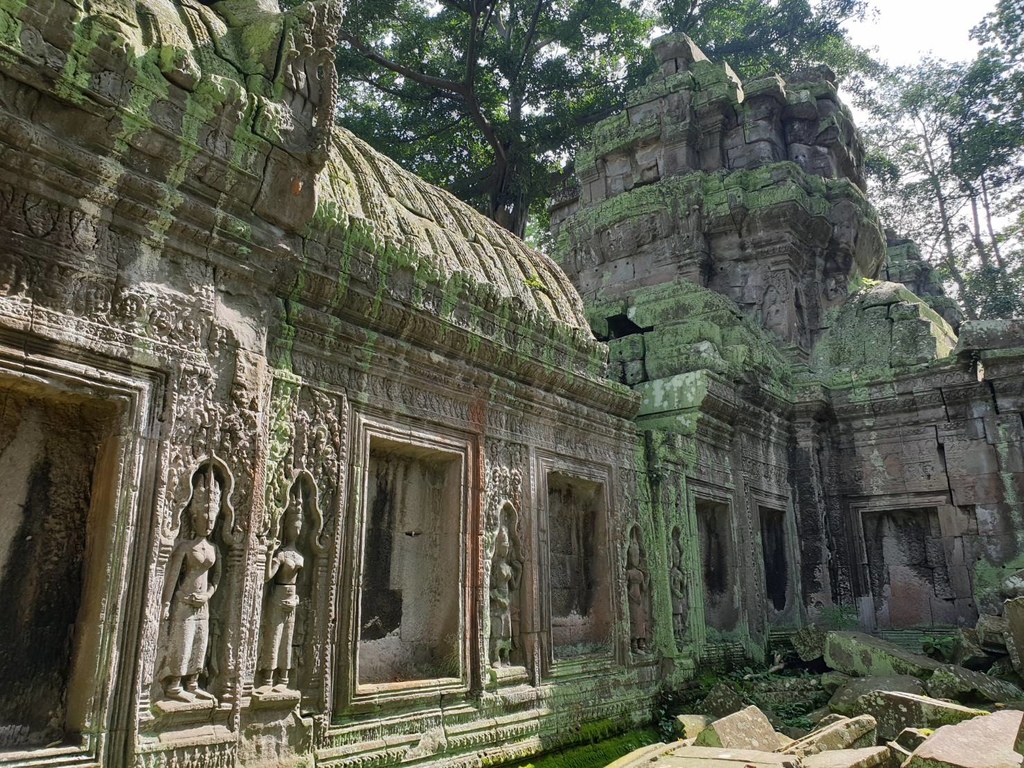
[754, 190]
[261, 387]
[321, 467]
[821, 445]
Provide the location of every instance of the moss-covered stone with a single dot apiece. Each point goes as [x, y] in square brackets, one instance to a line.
[856, 653]
[881, 329]
[895, 711]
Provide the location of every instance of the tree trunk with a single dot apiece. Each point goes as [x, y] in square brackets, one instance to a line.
[979, 244]
[944, 221]
[509, 208]
[987, 203]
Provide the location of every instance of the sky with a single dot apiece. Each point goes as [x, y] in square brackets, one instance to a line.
[906, 30]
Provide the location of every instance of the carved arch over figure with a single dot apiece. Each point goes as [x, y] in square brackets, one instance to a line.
[190, 603]
[304, 480]
[294, 544]
[222, 473]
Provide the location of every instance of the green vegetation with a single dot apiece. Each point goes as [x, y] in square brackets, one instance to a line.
[943, 648]
[789, 695]
[597, 754]
[946, 158]
[489, 99]
[756, 37]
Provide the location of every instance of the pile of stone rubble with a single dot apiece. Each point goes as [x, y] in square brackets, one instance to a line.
[888, 708]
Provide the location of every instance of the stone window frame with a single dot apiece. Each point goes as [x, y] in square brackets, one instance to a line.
[779, 503]
[592, 664]
[855, 530]
[367, 424]
[113, 640]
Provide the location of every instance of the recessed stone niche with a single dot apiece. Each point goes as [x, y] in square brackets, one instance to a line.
[578, 569]
[58, 465]
[907, 569]
[409, 603]
[774, 557]
[716, 555]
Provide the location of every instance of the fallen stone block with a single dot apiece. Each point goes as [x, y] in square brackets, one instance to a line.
[861, 655]
[831, 717]
[832, 681]
[984, 742]
[844, 700]
[991, 632]
[721, 701]
[848, 733]
[809, 643]
[642, 756]
[1013, 610]
[895, 711]
[952, 682]
[711, 757]
[866, 757]
[1002, 669]
[900, 753]
[690, 726]
[969, 652]
[912, 738]
[782, 741]
[746, 729]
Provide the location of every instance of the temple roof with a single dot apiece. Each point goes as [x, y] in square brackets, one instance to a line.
[438, 232]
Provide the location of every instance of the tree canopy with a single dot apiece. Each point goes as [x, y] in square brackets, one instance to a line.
[947, 157]
[756, 37]
[485, 97]
[489, 98]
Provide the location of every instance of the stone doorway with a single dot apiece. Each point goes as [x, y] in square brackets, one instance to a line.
[716, 556]
[906, 568]
[774, 556]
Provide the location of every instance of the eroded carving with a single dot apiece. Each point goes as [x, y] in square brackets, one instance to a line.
[638, 587]
[193, 575]
[301, 527]
[677, 585]
[506, 576]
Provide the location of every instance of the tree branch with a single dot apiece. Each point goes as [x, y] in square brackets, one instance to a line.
[527, 41]
[420, 77]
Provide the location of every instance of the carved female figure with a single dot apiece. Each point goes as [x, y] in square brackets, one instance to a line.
[506, 571]
[637, 584]
[287, 560]
[283, 568]
[677, 584]
[193, 575]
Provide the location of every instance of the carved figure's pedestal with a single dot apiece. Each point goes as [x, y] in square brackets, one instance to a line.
[170, 707]
[506, 676]
[175, 719]
[272, 698]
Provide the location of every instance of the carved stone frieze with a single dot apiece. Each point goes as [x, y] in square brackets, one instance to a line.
[324, 467]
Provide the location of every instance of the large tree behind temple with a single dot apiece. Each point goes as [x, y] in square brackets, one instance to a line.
[484, 97]
[758, 37]
[947, 156]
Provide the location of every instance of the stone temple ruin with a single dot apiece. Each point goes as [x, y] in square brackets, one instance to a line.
[307, 463]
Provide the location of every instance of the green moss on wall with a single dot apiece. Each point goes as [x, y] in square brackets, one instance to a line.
[598, 754]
